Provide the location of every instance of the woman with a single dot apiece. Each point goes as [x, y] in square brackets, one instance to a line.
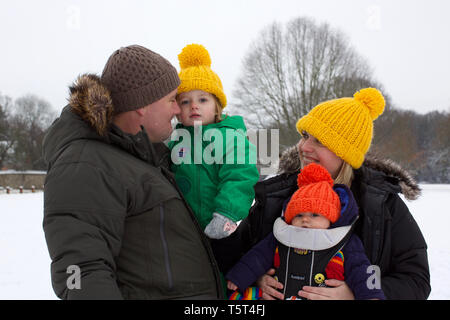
[337, 134]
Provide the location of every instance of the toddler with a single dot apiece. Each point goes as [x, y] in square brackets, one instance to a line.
[211, 155]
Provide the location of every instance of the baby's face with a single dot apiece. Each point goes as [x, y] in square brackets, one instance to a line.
[310, 220]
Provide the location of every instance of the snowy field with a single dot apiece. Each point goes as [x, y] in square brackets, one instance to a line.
[25, 263]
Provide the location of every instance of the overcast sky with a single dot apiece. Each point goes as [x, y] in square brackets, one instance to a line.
[46, 44]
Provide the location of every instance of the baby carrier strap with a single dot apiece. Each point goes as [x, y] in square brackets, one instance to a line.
[304, 267]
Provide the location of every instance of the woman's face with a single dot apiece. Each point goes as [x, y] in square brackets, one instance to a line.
[311, 150]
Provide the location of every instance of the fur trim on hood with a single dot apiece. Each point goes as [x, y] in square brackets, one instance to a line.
[290, 162]
[91, 100]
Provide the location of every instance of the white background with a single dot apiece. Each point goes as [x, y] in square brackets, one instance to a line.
[46, 44]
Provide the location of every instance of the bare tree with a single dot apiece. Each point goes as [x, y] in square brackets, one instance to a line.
[417, 142]
[6, 141]
[31, 118]
[289, 70]
[436, 168]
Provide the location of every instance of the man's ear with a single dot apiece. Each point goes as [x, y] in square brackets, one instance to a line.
[141, 111]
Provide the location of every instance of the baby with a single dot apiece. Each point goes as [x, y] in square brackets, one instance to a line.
[308, 245]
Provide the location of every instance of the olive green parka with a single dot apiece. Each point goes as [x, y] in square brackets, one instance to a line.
[113, 213]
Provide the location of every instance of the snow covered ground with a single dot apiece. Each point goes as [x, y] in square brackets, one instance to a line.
[25, 263]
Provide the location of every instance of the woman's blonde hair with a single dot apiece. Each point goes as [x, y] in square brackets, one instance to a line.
[219, 109]
[345, 175]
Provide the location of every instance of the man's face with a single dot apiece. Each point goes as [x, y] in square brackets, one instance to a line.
[158, 115]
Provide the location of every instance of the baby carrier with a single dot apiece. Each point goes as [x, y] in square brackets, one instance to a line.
[305, 265]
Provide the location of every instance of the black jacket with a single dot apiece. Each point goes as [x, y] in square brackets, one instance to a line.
[390, 235]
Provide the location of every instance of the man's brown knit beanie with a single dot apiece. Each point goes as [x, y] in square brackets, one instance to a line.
[137, 76]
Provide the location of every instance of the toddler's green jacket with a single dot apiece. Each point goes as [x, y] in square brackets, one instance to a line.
[215, 168]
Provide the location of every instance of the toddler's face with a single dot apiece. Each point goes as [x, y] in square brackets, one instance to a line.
[196, 105]
[310, 220]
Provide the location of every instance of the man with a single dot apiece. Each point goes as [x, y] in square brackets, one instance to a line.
[115, 223]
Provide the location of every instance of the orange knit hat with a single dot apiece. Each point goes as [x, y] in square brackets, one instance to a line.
[315, 194]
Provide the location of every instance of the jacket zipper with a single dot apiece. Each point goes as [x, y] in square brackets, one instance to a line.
[287, 272]
[203, 237]
[378, 232]
[165, 247]
[199, 195]
[312, 266]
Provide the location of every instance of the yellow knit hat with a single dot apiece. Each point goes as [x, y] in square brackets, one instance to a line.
[196, 72]
[345, 126]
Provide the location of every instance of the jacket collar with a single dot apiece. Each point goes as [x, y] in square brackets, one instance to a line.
[138, 145]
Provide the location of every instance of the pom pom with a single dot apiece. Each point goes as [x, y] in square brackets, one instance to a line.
[313, 173]
[372, 99]
[194, 55]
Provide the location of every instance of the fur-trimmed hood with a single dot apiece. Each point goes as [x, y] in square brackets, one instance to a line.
[91, 100]
[290, 162]
[87, 116]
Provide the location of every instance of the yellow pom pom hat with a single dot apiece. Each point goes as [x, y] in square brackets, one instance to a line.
[196, 72]
[345, 126]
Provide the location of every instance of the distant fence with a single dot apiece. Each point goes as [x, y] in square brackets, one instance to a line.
[22, 179]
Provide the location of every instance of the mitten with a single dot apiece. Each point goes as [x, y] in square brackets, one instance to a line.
[220, 227]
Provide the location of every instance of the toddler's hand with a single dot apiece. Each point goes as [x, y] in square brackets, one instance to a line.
[231, 285]
[220, 227]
